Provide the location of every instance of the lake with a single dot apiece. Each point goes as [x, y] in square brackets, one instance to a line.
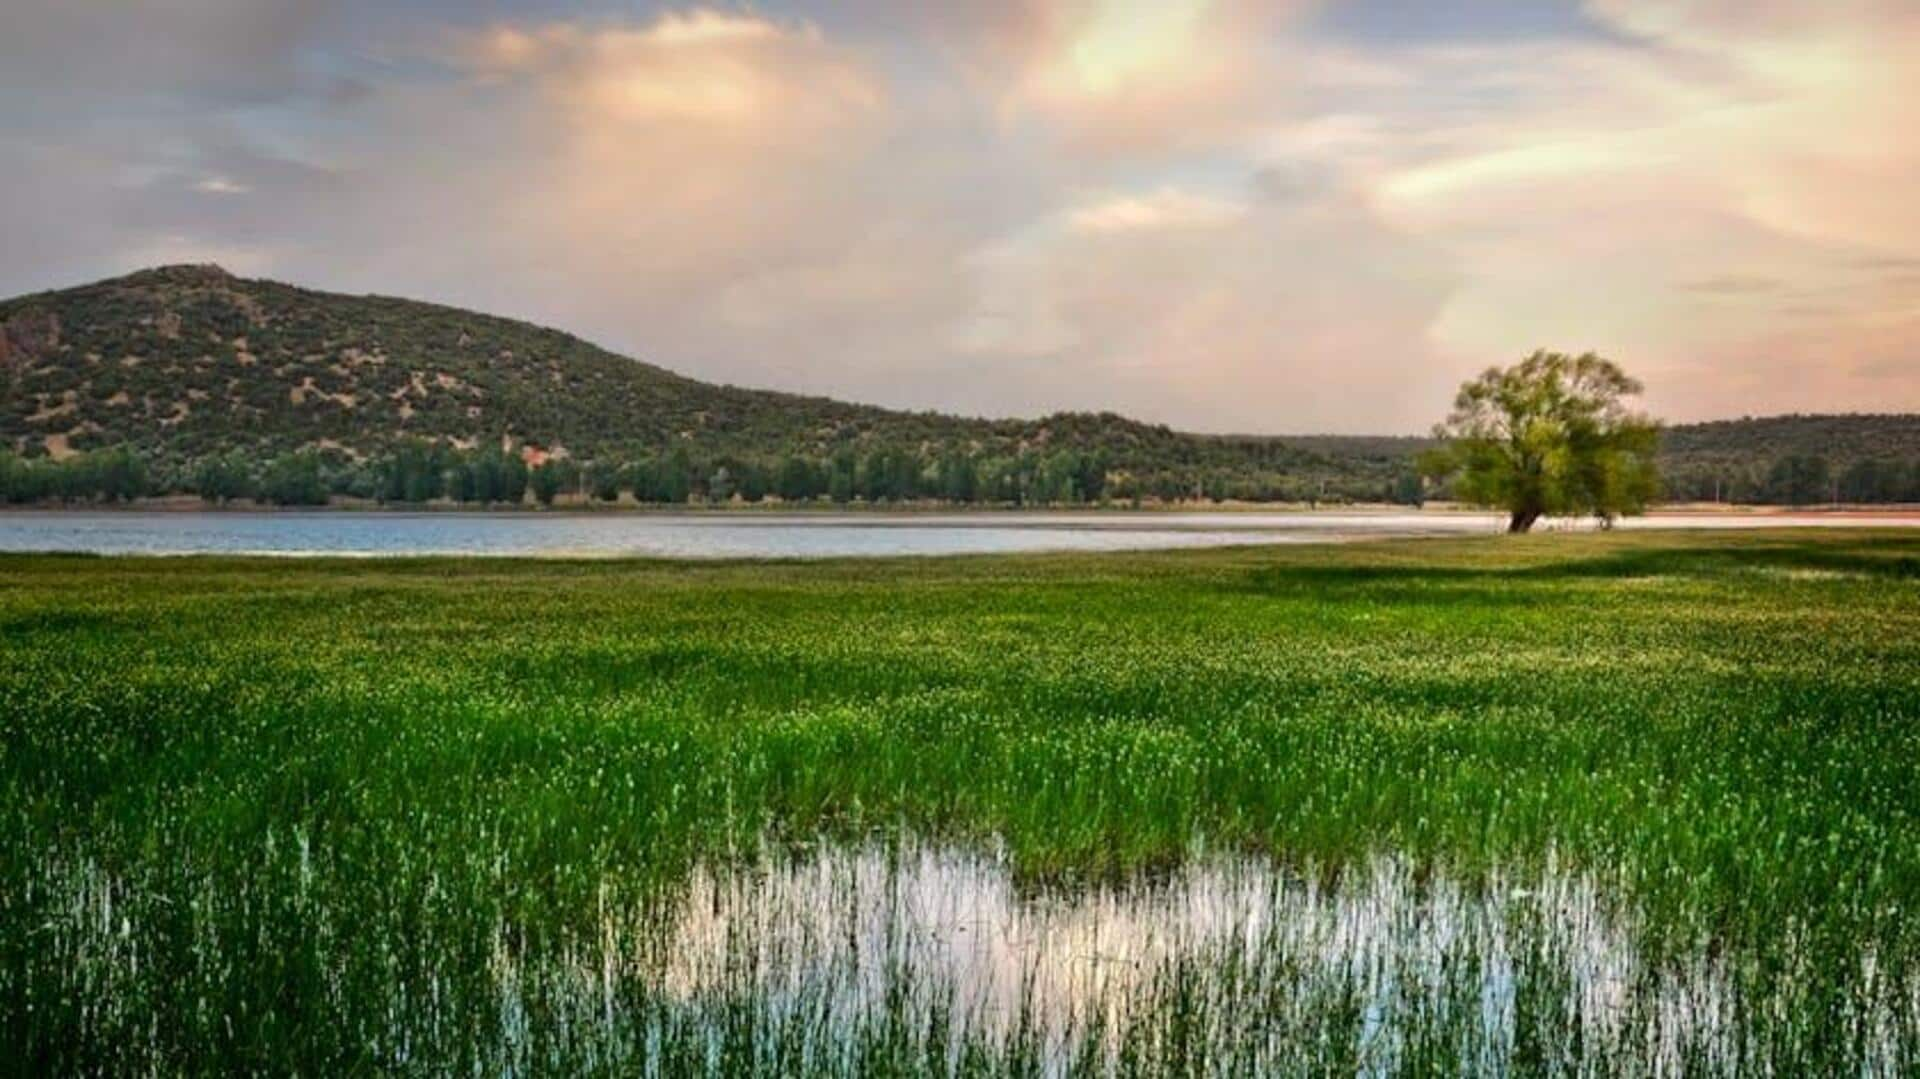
[763, 534]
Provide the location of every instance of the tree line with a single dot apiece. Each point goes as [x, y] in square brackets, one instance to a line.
[1801, 479]
[421, 472]
[418, 472]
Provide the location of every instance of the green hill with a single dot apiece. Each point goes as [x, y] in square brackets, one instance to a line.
[1796, 459]
[188, 368]
[189, 360]
[185, 363]
[1846, 438]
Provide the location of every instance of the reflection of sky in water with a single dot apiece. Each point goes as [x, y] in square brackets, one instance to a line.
[801, 959]
[847, 938]
[750, 535]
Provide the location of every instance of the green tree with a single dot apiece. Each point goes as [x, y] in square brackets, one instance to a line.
[1091, 477]
[603, 481]
[959, 479]
[676, 476]
[547, 480]
[798, 481]
[642, 477]
[1870, 480]
[752, 482]
[1549, 435]
[24, 479]
[1408, 489]
[294, 480]
[415, 471]
[463, 483]
[840, 479]
[120, 475]
[1799, 479]
[513, 479]
[489, 475]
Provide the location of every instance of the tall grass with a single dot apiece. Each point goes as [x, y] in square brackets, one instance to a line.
[307, 816]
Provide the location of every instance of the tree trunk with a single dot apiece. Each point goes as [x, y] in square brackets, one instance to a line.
[1522, 520]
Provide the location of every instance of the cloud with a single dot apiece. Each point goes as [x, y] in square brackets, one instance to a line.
[1106, 78]
[1225, 214]
[221, 185]
[1732, 284]
[1168, 208]
[703, 66]
[729, 194]
[162, 55]
[1316, 313]
[1621, 193]
[1146, 76]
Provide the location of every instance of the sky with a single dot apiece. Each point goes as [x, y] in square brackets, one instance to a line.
[1225, 215]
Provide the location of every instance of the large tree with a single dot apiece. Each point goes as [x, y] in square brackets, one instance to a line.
[1550, 435]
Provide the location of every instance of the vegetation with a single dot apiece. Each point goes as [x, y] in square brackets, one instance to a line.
[114, 475]
[339, 816]
[185, 363]
[1550, 435]
[212, 383]
[1796, 460]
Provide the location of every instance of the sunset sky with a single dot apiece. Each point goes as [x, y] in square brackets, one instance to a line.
[1223, 215]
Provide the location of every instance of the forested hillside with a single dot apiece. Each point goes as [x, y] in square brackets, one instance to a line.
[208, 381]
[1796, 459]
[188, 379]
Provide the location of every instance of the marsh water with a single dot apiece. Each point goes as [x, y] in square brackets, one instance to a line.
[1254, 968]
[839, 958]
[759, 534]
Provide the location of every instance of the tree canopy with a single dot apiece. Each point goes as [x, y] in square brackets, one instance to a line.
[1550, 435]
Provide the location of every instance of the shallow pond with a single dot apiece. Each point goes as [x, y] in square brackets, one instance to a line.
[941, 954]
[918, 956]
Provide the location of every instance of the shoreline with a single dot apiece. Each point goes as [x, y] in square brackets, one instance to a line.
[191, 505]
[719, 536]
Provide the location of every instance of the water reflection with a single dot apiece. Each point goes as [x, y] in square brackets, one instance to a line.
[934, 950]
[915, 957]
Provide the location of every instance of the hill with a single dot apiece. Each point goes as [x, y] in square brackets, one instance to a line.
[189, 360]
[1796, 459]
[197, 378]
[185, 363]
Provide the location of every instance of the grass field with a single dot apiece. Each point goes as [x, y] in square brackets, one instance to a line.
[328, 816]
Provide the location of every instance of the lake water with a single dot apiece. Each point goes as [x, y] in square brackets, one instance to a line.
[759, 534]
[1380, 968]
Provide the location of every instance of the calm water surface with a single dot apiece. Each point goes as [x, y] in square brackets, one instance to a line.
[1393, 968]
[757, 535]
[799, 961]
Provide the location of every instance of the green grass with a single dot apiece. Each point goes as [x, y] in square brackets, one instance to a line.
[271, 798]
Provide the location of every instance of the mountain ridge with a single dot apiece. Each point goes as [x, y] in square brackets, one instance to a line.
[186, 362]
